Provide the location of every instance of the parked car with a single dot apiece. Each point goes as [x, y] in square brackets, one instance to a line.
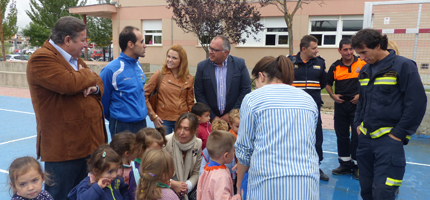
[17, 57]
[95, 54]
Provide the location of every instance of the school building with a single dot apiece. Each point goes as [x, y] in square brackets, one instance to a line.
[328, 20]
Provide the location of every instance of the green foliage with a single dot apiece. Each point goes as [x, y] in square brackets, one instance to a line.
[99, 29]
[44, 14]
[9, 23]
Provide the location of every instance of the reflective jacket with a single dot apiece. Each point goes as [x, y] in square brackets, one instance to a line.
[392, 100]
[309, 76]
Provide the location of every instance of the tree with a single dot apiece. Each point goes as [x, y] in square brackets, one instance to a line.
[99, 29]
[44, 14]
[207, 19]
[289, 13]
[8, 25]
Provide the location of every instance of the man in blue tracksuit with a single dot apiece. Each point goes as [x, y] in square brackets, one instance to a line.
[391, 106]
[124, 96]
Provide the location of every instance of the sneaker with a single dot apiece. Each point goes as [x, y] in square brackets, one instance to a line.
[355, 173]
[341, 170]
[323, 177]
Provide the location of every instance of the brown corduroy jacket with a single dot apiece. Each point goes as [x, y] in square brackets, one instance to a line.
[69, 125]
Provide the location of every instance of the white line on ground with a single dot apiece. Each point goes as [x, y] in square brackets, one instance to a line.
[4, 171]
[412, 163]
[17, 140]
[17, 111]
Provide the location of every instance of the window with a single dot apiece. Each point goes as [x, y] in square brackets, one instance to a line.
[152, 31]
[330, 30]
[275, 33]
[424, 66]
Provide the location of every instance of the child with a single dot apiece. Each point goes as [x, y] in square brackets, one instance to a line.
[103, 182]
[219, 124]
[215, 181]
[234, 121]
[26, 179]
[203, 113]
[146, 138]
[157, 169]
[122, 143]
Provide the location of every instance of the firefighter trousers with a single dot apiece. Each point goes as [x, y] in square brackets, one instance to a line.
[347, 140]
[381, 163]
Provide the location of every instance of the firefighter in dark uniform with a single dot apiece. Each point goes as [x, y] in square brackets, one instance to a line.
[310, 75]
[344, 72]
[391, 106]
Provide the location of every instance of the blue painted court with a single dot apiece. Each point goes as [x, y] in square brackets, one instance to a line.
[18, 138]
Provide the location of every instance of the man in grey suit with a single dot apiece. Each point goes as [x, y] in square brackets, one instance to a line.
[221, 81]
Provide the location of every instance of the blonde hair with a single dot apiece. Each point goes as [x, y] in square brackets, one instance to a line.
[219, 124]
[22, 165]
[392, 45]
[234, 114]
[156, 165]
[183, 66]
[220, 142]
[145, 137]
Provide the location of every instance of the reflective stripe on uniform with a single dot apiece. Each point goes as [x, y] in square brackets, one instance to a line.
[408, 137]
[393, 182]
[362, 129]
[377, 133]
[307, 84]
[386, 81]
[364, 81]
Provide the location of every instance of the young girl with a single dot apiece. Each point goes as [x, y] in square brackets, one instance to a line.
[103, 182]
[26, 178]
[146, 138]
[123, 143]
[156, 169]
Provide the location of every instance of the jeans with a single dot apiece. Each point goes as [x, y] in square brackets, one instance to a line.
[65, 176]
[116, 126]
[169, 126]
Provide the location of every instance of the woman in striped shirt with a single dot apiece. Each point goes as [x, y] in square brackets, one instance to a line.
[276, 139]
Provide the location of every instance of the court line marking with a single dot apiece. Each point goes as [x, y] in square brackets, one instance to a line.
[17, 111]
[16, 140]
[412, 163]
[4, 171]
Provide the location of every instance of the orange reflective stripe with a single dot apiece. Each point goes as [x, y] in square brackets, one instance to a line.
[305, 85]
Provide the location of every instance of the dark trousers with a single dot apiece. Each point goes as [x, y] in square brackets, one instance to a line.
[65, 176]
[344, 121]
[116, 126]
[169, 126]
[319, 136]
[382, 163]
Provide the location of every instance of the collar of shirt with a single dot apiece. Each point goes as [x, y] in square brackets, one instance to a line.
[213, 163]
[128, 59]
[224, 63]
[73, 62]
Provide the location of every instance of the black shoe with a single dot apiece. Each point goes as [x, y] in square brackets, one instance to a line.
[355, 172]
[341, 170]
[323, 177]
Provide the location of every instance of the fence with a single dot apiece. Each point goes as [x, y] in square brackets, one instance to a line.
[408, 24]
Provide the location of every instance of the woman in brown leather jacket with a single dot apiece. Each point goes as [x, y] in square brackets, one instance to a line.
[176, 92]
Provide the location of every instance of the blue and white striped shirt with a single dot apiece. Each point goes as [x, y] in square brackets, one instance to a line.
[221, 84]
[276, 138]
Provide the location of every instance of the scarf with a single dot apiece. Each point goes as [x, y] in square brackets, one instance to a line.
[182, 168]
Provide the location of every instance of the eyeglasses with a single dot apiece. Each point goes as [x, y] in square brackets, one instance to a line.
[253, 86]
[214, 50]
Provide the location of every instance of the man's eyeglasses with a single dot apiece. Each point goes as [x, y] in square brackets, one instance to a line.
[214, 50]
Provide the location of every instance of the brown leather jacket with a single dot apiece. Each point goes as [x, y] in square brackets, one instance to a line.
[69, 125]
[174, 97]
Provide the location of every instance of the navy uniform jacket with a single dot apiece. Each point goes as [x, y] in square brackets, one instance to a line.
[309, 76]
[238, 84]
[392, 100]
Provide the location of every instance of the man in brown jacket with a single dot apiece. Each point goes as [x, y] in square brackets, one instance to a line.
[66, 98]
